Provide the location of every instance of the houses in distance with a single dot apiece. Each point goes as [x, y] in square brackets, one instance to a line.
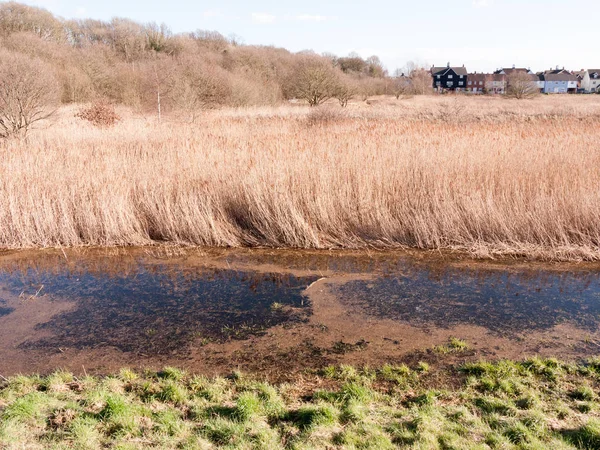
[553, 81]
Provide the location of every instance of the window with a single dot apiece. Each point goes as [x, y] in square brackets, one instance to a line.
[469, 83]
[460, 77]
[449, 77]
[460, 83]
[437, 83]
[450, 83]
[439, 76]
[480, 83]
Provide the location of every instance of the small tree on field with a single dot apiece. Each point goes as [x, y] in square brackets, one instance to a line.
[521, 85]
[344, 91]
[28, 93]
[314, 80]
[401, 85]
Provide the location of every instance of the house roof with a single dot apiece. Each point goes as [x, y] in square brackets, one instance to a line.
[477, 77]
[486, 77]
[442, 70]
[562, 76]
[512, 70]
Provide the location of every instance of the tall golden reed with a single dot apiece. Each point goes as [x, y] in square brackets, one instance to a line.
[482, 175]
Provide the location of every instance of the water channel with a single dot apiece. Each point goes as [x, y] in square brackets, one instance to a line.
[279, 312]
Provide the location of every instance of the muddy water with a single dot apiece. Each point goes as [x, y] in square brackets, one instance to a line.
[277, 312]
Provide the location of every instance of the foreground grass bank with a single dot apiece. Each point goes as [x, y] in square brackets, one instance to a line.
[531, 404]
[486, 176]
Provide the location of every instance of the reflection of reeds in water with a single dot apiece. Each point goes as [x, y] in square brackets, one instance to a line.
[500, 177]
[162, 312]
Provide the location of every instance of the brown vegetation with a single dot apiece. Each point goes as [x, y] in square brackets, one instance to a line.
[492, 176]
[100, 114]
[150, 69]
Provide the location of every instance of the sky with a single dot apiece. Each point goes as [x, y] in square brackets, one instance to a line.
[481, 34]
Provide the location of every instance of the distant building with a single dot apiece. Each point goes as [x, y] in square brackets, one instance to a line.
[507, 72]
[496, 84]
[591, 80]
[486, 83]
[449, 78]
[558, 81]
[580, 75]
[476, 83]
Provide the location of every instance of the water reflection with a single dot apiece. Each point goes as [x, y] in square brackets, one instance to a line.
[158, 309]
[506, 302]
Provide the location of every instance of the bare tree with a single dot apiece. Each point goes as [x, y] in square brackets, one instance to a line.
[402, 85]
[345, 90]
[314, 80]
[410, 67]
[521, 85]
[28, 93]
[421, 81]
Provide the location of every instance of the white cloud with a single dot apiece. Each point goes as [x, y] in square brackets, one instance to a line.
[482, 3]
[312, 18]
[263, 18]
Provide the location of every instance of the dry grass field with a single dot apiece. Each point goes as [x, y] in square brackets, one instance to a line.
[488, 176]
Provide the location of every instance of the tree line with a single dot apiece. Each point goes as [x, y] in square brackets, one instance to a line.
[147, 67]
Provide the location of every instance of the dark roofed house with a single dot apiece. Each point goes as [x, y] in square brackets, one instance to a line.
[449, 78]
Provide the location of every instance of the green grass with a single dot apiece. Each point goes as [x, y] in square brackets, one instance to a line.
[533, 404]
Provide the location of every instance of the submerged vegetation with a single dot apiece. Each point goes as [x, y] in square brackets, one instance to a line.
[532, 404]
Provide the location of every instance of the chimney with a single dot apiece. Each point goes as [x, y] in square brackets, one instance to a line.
[448, 64]
[514, 67]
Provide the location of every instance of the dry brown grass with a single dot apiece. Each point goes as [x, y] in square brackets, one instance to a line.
[507, 177]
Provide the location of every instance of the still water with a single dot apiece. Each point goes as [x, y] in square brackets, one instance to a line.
[280, 311]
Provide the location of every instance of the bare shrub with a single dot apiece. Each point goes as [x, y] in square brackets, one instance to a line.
[100, 113]
[521, 85]
[324, 115]
[29, 93]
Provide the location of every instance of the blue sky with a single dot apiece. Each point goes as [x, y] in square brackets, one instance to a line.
[482, 34]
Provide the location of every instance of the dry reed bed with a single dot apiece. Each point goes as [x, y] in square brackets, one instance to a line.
[374, 176]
